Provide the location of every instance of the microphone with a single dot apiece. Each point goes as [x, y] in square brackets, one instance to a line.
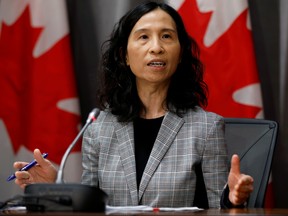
[66, 197]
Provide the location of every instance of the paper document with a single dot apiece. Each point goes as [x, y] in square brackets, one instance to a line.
[144, 208]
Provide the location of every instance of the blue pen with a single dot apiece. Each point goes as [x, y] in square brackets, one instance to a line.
[26, 167]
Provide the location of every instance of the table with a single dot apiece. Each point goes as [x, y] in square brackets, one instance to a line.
[215, 212]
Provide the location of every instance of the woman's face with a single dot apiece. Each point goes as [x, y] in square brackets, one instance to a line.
[153, 50]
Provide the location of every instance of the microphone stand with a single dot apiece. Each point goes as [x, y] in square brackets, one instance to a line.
[66, 197]
[92, 116]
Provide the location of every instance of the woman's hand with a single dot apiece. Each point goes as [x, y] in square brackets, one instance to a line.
[240, 185]
[43, 172]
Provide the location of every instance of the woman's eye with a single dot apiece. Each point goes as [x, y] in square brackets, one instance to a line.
[166, 36]
[143, 36]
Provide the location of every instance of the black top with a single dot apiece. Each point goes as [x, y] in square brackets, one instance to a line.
[145, 133]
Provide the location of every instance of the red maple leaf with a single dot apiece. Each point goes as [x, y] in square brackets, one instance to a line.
[32, 87]
[229, 62]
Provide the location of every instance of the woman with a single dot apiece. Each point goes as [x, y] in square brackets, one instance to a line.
[152, 133]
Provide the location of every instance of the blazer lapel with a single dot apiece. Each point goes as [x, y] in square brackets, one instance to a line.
[125, 135]
[170, 126]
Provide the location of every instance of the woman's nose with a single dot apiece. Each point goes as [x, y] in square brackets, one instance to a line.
[156, 47]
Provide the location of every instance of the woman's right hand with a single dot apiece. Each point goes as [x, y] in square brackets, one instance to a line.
[43, 172]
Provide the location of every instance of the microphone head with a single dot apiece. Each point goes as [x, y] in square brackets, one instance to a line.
[93, 115]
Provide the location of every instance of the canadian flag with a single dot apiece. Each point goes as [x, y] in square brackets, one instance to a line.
[223, 32]
[39, 104]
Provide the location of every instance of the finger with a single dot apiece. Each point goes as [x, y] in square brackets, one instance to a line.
[244, 189]
[239, 200]
[235, 165]
[22, 175]
[21, 183]
[241, 196]
[19, 164]
[238, 197]
[39, 158]
[23, 178]
[243, 186]
[245, 180]
[23, 186]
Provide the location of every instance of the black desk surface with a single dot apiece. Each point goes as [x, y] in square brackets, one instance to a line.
[250, 212]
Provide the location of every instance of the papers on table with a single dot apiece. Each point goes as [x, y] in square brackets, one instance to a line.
[118, 209]
[144, 208]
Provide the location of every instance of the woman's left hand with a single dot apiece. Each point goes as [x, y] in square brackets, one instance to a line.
[240, 185]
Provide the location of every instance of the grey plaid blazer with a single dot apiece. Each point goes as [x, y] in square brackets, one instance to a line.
[169, 178]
